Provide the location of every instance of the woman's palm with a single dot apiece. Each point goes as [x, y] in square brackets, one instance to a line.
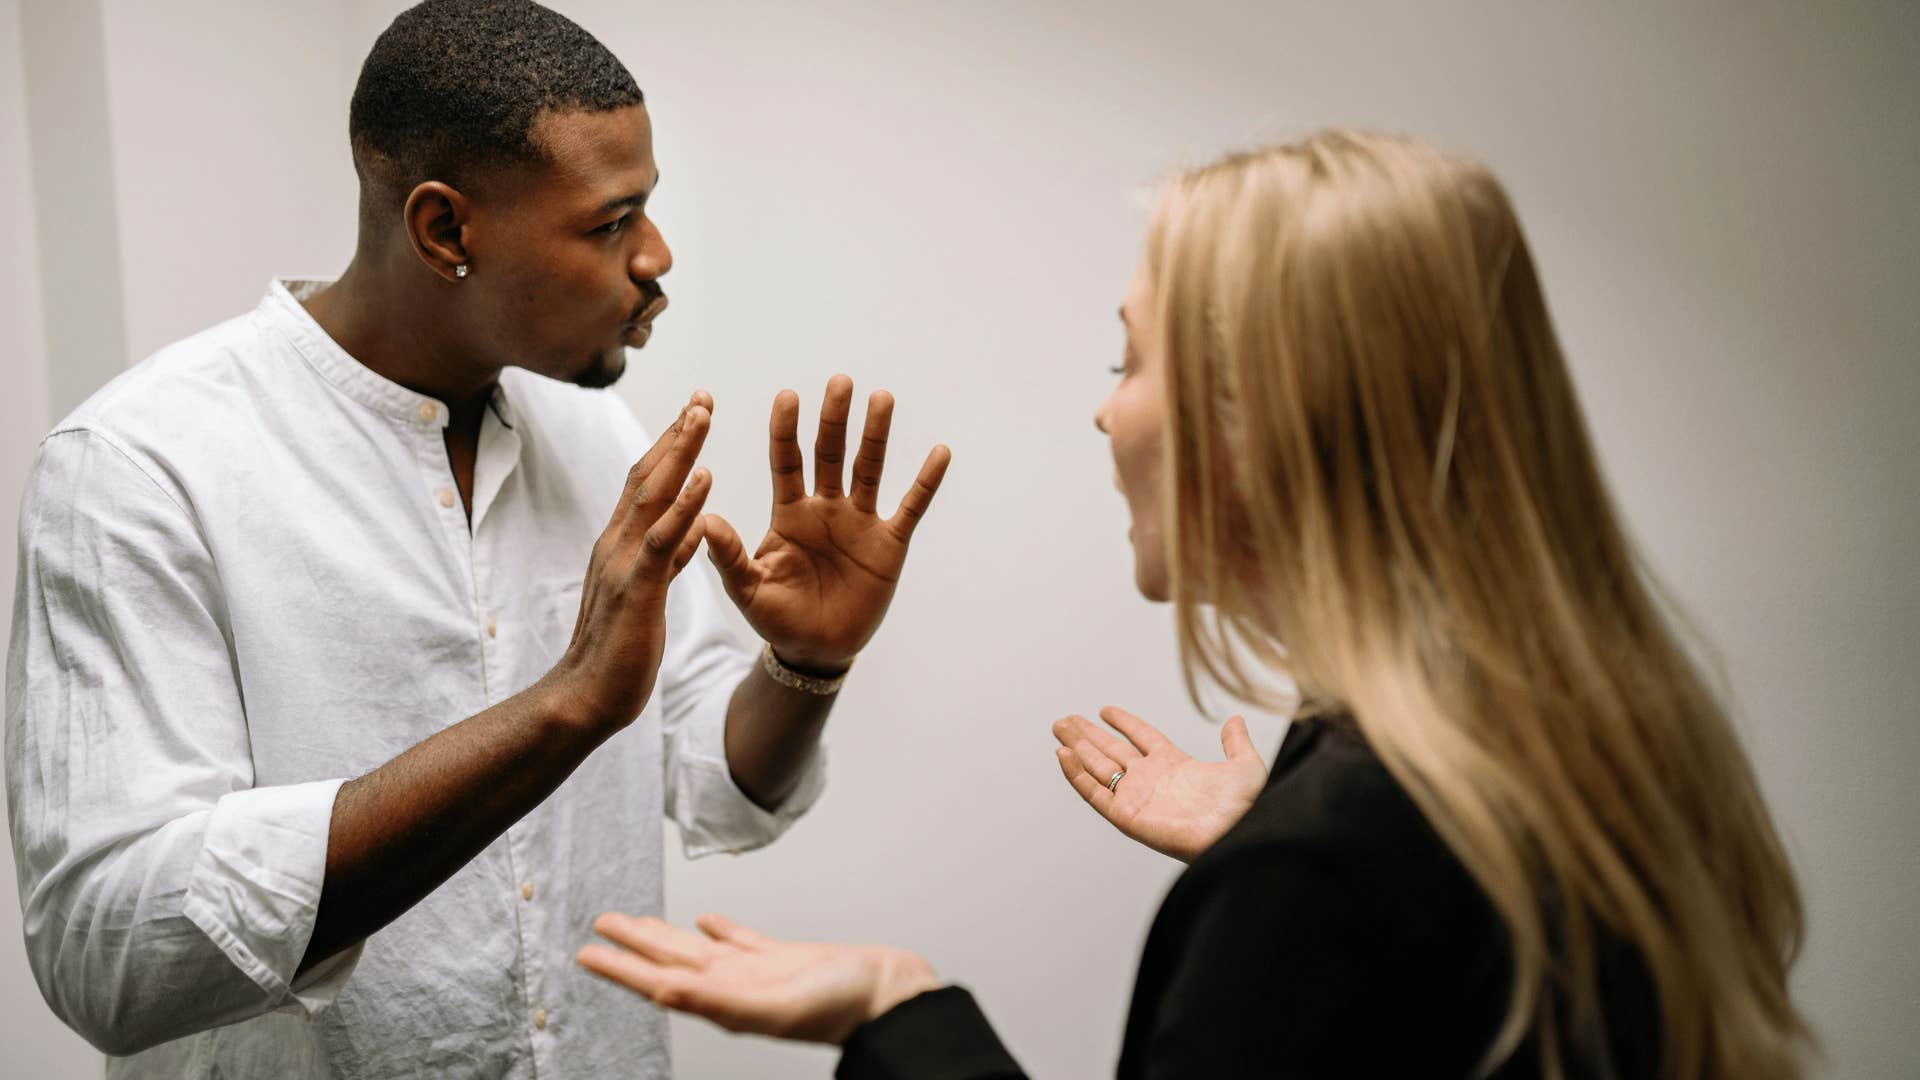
[1165, 798]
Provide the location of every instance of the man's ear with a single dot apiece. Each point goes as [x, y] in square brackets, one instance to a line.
[436, 215]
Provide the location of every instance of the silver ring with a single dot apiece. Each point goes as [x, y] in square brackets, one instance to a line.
[1115, 782]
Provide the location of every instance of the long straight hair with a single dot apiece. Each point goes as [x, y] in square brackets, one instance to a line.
[1382, 486]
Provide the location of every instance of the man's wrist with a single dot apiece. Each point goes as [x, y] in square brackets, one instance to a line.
[560, 705]
[823, 669]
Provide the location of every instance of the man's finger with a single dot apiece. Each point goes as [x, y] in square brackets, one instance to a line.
[1138, 731]
[872, 458]
[669, 438]
[656, 940]
[729, 557]
[783, 449]
[653, 487]
[830, 445]
[1072, 729]
[913, 506]
[644, 467]
[690, 544]
[664, 538]
[1235, 740]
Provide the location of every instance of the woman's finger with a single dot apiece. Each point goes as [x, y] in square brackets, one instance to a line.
[1069, 729]
[656, 940]
[1102, 768]
[626, 968]
[668, 987]
[1235, 740]
[1096, 796]
[1138, 731]
[721, 928]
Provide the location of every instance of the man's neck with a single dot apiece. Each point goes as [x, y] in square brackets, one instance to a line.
[396, 333]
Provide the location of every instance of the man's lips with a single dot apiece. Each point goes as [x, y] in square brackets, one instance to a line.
[649, 312]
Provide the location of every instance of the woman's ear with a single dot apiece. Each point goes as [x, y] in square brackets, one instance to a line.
[436, 216]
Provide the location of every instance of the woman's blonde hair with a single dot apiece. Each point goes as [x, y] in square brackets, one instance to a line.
[1381, 485]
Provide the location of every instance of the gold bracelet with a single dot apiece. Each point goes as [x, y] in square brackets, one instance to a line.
[794, 680]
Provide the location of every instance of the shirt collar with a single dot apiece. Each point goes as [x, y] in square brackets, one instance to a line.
[284, 310]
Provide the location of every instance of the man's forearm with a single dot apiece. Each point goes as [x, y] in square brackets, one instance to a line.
[400, 831]
[772, 731]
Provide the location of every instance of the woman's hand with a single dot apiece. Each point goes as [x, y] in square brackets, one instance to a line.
[746, 981]
[1166, 800]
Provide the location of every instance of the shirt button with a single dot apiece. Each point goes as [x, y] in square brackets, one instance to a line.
[493, 630]
[446, 498]
[428, 412]
[526, 891]
[540, 1019]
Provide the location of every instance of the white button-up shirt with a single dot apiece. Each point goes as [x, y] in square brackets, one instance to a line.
[246, 576]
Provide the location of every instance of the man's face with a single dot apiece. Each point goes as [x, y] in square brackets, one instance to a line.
[566, 261]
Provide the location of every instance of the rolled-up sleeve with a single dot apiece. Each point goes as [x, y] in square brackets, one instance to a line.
[162, 892]
[702, 666]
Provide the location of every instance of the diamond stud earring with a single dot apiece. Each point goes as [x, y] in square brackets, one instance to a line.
[460, 271]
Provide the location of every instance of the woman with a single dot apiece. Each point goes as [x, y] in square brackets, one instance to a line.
[1510, 833]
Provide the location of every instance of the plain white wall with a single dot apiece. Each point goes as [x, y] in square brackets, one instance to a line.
[946, 202]
[37, 1044]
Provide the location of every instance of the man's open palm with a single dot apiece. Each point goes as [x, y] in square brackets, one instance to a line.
[819, 584]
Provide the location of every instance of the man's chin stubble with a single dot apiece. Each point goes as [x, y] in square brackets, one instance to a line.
[603, 372]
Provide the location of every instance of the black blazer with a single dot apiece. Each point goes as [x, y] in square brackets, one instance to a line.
[1329, 933]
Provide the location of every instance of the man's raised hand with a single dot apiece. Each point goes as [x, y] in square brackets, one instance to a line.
[819, 584]
[610, 666]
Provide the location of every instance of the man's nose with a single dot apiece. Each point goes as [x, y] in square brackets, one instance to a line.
[654, 258]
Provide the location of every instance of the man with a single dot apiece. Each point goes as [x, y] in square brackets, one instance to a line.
[339, 537]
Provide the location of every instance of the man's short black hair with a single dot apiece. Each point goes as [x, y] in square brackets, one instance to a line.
[454, 87]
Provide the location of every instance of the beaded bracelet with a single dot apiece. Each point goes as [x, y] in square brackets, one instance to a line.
[794, 680]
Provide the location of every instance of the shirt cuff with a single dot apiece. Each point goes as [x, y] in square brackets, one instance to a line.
[938, 1035]
[255, 889]
[713, 814]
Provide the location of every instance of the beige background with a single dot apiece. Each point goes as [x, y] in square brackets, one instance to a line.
[947, 202]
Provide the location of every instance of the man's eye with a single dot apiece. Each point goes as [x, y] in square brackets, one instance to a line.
[614, 227]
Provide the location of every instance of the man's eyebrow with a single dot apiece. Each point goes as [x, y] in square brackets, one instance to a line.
[628, 201]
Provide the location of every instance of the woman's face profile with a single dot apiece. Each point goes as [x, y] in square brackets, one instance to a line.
[1132, 417]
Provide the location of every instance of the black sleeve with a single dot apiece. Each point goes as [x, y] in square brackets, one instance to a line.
[939, 1035]
[1282, 971]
